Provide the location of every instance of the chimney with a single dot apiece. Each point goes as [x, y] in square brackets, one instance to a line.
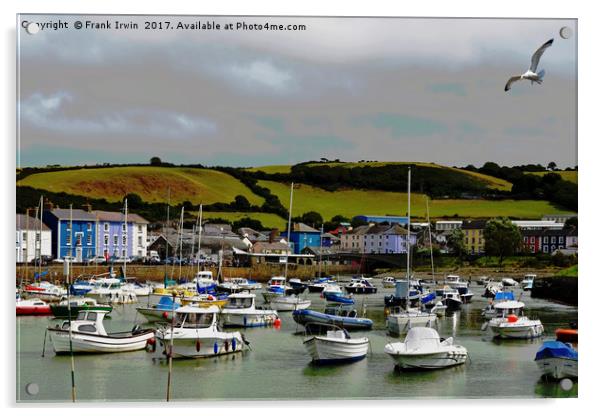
[87, 207]
[274, 235]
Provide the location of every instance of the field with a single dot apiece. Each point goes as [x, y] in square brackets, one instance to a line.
[151, 183]
[567, 175]
[356, 202]
[271, 169]
[267, 220]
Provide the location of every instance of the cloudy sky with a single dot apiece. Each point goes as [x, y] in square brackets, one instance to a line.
[348, 88]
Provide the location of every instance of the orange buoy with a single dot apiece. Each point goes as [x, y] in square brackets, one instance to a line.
[512, 318]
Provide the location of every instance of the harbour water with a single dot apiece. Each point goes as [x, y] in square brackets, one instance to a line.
[278, 367]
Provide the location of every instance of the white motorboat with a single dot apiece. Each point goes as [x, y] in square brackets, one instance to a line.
[196, 335]
[331, 344]
[511, 322]
[388, 282]
[402, 320]
[44, 291]
[140, 289]
[289, 303]
[424, 349]
[361, 285]
[245, 284]
[492, 288]
[483, 280]
[527, 282]
[489, 311]
[332, 289]
[111, 291]
[451, 298]
[88, 335]
[557, 360]
[240, 311]
[276, 287]
[229, 286]
[509, 282]
[466, 296]
[455, 282]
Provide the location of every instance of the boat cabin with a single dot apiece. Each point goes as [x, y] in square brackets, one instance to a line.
[195, 317]
[509, 307]
[204, 275]
[240, 301]
[277, 281]
[88, 321]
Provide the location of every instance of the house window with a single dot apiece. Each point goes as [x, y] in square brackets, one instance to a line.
[532, 249]
[532, 240]
[106, 239]
[560, 240]
[78, 239]
[545, 239]
[68, 239]
[553, 247]
[553, 240]
[115, 240]
[89, 239]
[89, 226]
[139, 240]
[106, 226]
[123, 227]
[123, 253]
[124, 240]
[545, 249]
[526, 239]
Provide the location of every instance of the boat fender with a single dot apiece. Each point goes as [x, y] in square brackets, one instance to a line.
[215, 348]
[198, 345]
[226, 345]
[233, 344]
[151, 345]
[277, 323]
[165, 315]
[512, 318]
[244, 321]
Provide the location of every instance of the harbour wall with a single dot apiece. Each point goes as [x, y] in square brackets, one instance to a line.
[560, 289]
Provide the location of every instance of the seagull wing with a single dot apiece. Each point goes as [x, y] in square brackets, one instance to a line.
[538, 53]
[511, 81]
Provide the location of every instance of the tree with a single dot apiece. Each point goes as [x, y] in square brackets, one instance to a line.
[155, 161]
[134, 201]
[502, 238]
[456, 242]
[241, 203]
[357, 222]
[248, 223]
[552, 166]
[312, 218]
[570, 224]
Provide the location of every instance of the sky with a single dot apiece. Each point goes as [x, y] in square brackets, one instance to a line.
[387, 89]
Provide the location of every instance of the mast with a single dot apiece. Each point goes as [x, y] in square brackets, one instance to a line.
[408, 242]
[288, 233]
[428, 220]
[69, 302]
[125, 225]
[181, 243]
[166, 239]
[198, 255]
[320, 253]
[26, 242]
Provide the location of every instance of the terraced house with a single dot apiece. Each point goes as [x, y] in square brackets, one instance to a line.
[474, 238]
[116, 239]
[73, 233]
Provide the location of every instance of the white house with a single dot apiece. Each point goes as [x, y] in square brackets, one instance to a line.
[447, 225]
[377, 239]
[139, 235]
[33, 241]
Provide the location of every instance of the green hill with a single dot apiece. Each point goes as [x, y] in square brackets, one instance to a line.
[567, 175]
[151, 183]
[356, 202]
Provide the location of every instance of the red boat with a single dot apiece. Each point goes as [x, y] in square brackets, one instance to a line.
[567, 335]
[33, 307]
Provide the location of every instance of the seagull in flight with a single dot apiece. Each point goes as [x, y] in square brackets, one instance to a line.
[531, 75]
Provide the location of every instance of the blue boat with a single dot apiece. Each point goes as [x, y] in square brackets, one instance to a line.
[557, 360]
[344, 317]
[339, 298]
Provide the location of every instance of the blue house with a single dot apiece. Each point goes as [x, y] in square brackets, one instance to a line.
[377, 219]
[73, 233]
[302, 236]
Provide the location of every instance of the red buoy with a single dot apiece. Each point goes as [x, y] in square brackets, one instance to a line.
[277, 323]
[165, 315]
[198, 345]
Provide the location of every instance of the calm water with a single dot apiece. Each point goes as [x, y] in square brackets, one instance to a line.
[278, 365]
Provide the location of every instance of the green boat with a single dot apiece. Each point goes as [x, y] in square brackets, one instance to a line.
[61, 309]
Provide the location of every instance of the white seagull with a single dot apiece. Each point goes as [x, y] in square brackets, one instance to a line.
[531, 75]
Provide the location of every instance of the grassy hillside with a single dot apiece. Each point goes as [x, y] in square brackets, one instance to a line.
[150, 182]
[355, 202]
[567, 175]
[271, 169]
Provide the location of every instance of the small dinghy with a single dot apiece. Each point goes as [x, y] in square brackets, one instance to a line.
[289, 303]
[330, 344]
[318, 285]
[339, 298]
[451, 298]
[32, 307]
[339, 315]
[161, 312]
[401, 320]
[240, 311]
[76, 304]
[388, 282]
[88, 335]
[361, 286]
[557, 360]
[492, 288]
[196, 335]
[511, 323]
[424, 349]
[509, 282]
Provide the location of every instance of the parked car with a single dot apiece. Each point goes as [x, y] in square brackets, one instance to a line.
[96, 260]
[45, 260]
[70, 259]
[122, 260]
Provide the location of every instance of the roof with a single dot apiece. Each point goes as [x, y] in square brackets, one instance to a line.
[25, 222]
[509, 304]
[299, 227]
[362, 229]
[383, 218]
[262, 246]
[474, 224]
[75, 214]
[112, 216]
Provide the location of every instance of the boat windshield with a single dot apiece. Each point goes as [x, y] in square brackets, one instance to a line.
[239, 303]
[196, 320]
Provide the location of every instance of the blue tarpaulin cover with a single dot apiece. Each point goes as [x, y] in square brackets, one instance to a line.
[167, 303]
[556, 349]
[429, 297]
[504, 296]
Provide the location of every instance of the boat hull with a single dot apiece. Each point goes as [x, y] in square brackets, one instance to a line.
[558, 368]
[304, 317]
[324, 350]
[201, 347]
[97, 344]
[248, 320]
[430, 361]
[34, 310]
[156, 315]
[507, 330]
[400, 324]
[284, 306]
[361, 290]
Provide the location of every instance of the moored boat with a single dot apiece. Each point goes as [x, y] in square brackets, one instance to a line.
[241, 311]
[361, 286]
[160, 312]
[424, 349]
[289, 303]
[330, 344]
[76, 304]
[32, 306]
[88, 335]
[339, 315]
[196, 335]
[557, 360]
[511, 323]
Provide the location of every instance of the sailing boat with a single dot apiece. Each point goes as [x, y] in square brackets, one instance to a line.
[401, 321]
[286, 302]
